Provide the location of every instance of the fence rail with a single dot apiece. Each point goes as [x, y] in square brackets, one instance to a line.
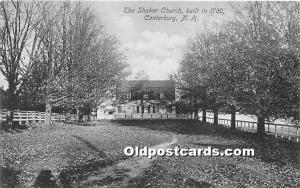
[34, 116]
[291, 132]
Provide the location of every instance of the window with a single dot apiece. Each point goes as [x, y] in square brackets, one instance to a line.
[161, 95]
[119, 109]
[145, 96]
[128, 96]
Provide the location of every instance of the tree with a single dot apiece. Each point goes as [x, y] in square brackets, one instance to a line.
[81, 62]
[250, 63]
[18, 45]
[51, 32]
[227, 71]
[194, 76]
[95, 60]
[271, 59]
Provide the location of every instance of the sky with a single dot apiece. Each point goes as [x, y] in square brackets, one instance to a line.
[155, 46]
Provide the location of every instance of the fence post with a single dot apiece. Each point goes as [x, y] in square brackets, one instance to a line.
[289, 133]
[281, 131]
[275, 132]
[27, 117]
[19, 115]
[297, 139]
[40, 117]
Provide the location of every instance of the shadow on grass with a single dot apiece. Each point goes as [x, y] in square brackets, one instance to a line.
[76, 172]
[191, 127]
[45, 179]
[9, 177]
[16, 127]
[77, 123]
[268, 148]
[90, 145]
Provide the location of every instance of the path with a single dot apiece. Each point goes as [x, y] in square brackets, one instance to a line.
[119, 174]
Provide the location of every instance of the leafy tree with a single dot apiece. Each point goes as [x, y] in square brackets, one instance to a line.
[195, 80]
[250, 63]
[79, 61]
[271, 59]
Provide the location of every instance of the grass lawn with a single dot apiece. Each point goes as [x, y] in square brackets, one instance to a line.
[76, 150]
[276, 162]
[75, 153]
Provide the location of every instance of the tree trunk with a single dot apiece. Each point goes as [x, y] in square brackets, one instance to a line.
[196, 114]
[79, 115]
[142, 103]
[48, 114]
[9, 118]
[204, 115]
[12, 98]
[233, 114]
[261, 125]
[216, 112]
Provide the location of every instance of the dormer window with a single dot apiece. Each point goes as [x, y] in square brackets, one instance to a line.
[128, 96]
[145, 96]
[161, 95]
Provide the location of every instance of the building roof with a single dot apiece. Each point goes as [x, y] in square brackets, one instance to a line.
[151, 87]
[151, 83]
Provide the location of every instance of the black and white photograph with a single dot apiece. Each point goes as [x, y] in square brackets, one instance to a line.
[154, 94]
